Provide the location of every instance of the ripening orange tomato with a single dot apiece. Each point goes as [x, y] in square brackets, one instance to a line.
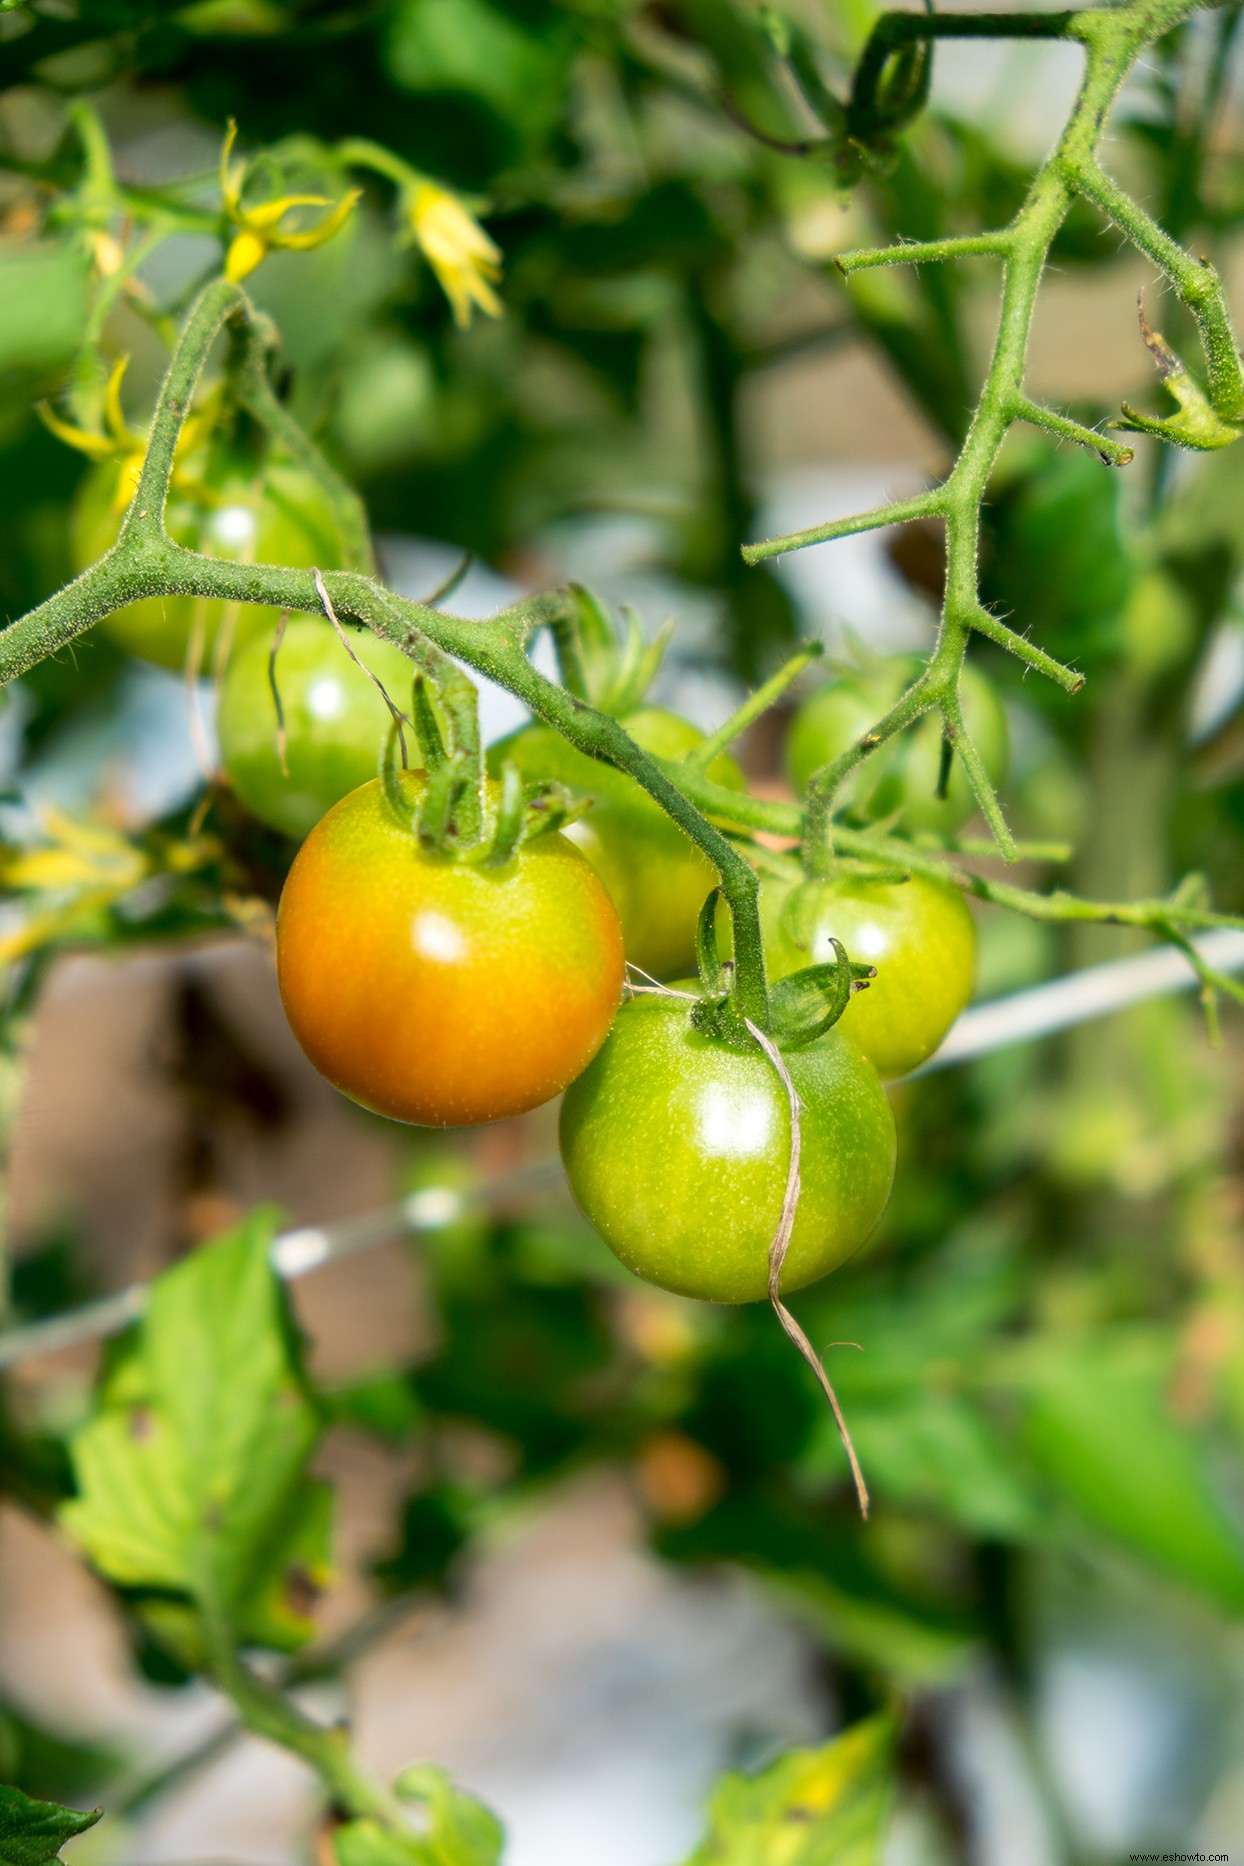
[439, 991]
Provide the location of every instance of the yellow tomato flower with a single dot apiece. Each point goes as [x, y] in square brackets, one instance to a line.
[118, 441]
[259, 228]
[464, 259]
[80, 869]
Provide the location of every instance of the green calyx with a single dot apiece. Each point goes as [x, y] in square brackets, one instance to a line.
[1196, 424]
[449, 805]
[802, 1007]
[611, 671]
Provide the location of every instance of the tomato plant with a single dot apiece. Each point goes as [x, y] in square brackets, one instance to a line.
[918, 933]
[645, 203]
[437, 991]
[677, 1144]
[288, 768]
[903, 780]
[656, 877]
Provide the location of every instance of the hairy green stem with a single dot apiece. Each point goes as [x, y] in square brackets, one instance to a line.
[739, 811]
[924, 505]
[927, 691]
[1113, 39]
[145, 562]
[924, 252]
[754, 707]
[267, 1712]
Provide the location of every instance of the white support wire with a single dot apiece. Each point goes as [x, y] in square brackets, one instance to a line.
[1076, 998]
[294, 1254]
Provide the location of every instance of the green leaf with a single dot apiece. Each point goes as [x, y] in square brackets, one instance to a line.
[813, 1807]
[32, 1832]
[459, 1830]
[367, 1843]
[470, 47]
[191, 1474]
[1098, 1424]
[938, 1451]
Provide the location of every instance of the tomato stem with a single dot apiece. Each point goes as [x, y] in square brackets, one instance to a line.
[1113, 38]
[265, 1710]
[754, 707]
[145, 562]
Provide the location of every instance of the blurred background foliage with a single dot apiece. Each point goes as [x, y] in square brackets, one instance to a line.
[1050, 1404]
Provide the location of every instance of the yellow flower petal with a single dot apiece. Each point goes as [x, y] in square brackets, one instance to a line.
[107, 253]
[246, 250]
[305, 238]
[87, 838]
[129, 471]
[266, 215]
[114, 416]
[230, 179]
[465, 260]
[95, 446]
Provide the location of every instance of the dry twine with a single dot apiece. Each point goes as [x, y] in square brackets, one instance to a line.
[782, 1236]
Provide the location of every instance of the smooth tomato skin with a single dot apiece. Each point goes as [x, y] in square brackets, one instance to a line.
[678, 1147]
[286, 520]
[438, 992]
[655, 875]
[920, 936]
[335, 720]
[901, 776]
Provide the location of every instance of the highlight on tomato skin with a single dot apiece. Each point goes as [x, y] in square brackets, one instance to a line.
[443, 992]
[677, 1147]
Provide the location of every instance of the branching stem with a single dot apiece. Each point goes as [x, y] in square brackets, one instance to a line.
[1113, 38]
[146, 562]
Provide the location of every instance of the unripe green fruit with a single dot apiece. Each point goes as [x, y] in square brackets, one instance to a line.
[918, 933]
[335, 720]
[278, 516]
[656, 877]
[901, 775]
[677, 1147]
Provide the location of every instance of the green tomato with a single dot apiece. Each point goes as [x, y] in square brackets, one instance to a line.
[335, 720]
[918, 933]
[677, 1147]
[902, 775]
[656, 876]
[276, 515]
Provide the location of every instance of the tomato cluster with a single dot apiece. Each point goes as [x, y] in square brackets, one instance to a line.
[443, 977]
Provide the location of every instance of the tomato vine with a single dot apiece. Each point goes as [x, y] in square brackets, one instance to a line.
[145, 562]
